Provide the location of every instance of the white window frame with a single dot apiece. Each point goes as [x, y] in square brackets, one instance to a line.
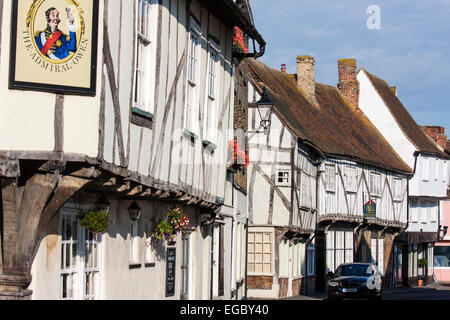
[425, 169]
[444, 173]
[397, 189]
[285, 176]
[193, 85]
[305, 190]
[212, 93]
[330, 178]
[350, 179]
[414, 206]
[81, 269]
[339, 248]
[373, 188]
[145, 56]
[134, 242]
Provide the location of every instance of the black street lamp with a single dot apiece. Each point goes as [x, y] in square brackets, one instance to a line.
[134, 211]
[265, 103]
[102, 203]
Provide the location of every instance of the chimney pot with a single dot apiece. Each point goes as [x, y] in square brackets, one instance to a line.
[306, 79]
[394, 90]
[348, 84]
[283, 68]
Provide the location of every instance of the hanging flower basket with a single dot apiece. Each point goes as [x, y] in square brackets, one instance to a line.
[174, 222]
[178, 219]
[239, 41]
[163, 231]
[96, 221]
[237, 158]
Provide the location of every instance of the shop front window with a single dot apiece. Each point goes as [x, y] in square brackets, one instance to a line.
[442, 257]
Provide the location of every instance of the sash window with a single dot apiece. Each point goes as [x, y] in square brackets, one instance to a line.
[143, 97]
[211, 105]
[192, 95]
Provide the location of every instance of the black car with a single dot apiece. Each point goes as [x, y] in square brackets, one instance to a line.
[355, 280]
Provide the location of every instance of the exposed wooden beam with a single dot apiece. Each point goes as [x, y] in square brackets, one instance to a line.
[125, 186]
[136, 190]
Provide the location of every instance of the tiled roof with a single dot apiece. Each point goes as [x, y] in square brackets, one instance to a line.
[406, 122]
[333, 126]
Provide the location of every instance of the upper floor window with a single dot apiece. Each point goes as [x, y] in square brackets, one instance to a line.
[305, 190]
[444, 173]
[144, 78]
[213, 90]
[375, 184]
[397, 189]
[283, 178]
[350, 177]
[330, 177]
[425, 169]
[413, 210]
[192, 95]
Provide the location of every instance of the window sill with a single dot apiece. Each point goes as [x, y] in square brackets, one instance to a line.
[133, 265]
[142, 118]
[209, 146]
[190, 135]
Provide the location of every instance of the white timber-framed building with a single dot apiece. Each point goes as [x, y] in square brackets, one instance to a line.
[317, 133]
[427, 187]
[155, 132]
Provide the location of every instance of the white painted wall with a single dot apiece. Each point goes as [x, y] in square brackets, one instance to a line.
[350, 203]
[375, 109]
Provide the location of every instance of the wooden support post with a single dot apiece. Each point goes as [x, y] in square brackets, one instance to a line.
[26, 210]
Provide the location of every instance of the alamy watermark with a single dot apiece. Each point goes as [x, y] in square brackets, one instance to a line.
[374, 19]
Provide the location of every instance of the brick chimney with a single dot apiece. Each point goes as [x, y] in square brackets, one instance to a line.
[283, 68]
[394, 90]
[437, 134]
[348, 85]
[306, 79]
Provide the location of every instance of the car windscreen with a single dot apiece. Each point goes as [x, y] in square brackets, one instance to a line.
[354, 270]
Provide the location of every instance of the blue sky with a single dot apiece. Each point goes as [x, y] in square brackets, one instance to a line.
[410, 51]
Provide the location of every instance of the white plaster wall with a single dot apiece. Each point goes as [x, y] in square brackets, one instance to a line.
[375, 109]
[433, 184]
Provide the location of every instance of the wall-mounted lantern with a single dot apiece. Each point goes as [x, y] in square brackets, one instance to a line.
[265, 104]
[102, 203]
[134, 211]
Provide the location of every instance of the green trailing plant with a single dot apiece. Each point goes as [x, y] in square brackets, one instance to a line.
[95, 221]
[174, 222]
[163, 231]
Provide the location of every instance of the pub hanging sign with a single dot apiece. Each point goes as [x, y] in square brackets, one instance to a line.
[370, 210]
[54, 46]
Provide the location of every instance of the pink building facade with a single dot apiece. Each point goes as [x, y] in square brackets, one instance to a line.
[442, 248]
